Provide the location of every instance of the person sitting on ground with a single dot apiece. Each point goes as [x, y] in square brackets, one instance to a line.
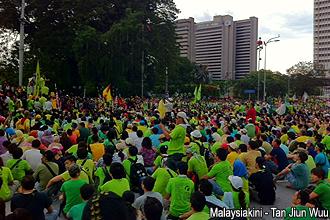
[129, 198]
[262, 184]
[87, 164]
[278, 155]
[237, 199]
[198, 203]
[147, 186]
[18, 167]
[221, 171]
[197, 167]
[322, 188]
[71, 188]
[35, 202]
[103, 173]
[153, 209]
[249, 158]
[33, 156]
[86, 192]
[119, 184]
[296, 173]
[68, 161]
[179, 190]
[298, 205]
[6, 181]
[212, 201]
[45, 171]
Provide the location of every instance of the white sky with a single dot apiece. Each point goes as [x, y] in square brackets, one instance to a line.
[292, 19]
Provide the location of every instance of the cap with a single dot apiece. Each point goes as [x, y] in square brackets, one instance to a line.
[196, 134]
[233, 146]
[183, 115]
[243, 131]
[130, 141]
[236, 181]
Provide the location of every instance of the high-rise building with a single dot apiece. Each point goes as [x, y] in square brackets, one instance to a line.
[322, 34]
[225, 46]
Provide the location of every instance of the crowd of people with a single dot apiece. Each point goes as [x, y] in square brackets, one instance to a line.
[129, 161]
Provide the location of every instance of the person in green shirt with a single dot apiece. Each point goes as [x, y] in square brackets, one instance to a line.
[251, 129]
[71, 188]
[179, 190]
[322, 188]
[162, 175]
[177, 137]
[119, 184]
[221, 171]
[7, 180]
[196, 164]
[326, 139]
[198, 203]
[103, 173]
[237, 198]
[298, 210]
[68, 162]
[83, 161]
[161, 158]
[18, 167]
[86, 192]
[195, 143]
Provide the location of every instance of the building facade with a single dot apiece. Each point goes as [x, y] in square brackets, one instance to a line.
[225, 46]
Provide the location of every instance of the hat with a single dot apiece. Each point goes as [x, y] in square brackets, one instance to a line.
[233, 146]
[225, 146]
[74, 170]
[183, 115]
[129, 141]
[37, 117]
[196, 134]
[243, 131]
[236, 181]
[190, 150]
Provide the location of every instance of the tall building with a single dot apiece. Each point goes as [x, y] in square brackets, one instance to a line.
[322, 40]
[225, 46]
[322, 34]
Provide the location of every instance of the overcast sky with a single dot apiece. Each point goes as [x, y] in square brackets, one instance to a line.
[292, 19]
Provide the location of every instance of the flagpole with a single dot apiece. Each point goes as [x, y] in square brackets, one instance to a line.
[21, 45]
[142, 63]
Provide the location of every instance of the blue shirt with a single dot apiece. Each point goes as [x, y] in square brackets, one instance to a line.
[279, 157]
[240, 169]
[322, 160]
[155, 140]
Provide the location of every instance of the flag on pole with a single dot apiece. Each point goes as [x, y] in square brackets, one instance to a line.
[107, 94]
[37, 81]
[161, 109]
[199, 93]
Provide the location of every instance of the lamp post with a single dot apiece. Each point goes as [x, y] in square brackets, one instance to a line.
[271, 40]
[21, 45]
[259, 49]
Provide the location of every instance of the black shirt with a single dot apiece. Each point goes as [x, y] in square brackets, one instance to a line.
[34, 202]
[263, 182]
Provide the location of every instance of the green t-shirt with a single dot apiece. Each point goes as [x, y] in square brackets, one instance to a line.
[158, 161]
[197, 164]
[71, 189]
[83, 176]
[88, 166]
[76, 212]
[310, 163]
[176, 144]
[199, 216]
[99, 173]
[323, 190]
[7, 177]
[118, 186]
[251, 130]
[215, 147]
[19, 170]
[162, 176]
[44, 175]
[237, 205]
[195, 146]
[221, 171]
[180, 188]
[326, 142]
[301, 212]
[127, 166]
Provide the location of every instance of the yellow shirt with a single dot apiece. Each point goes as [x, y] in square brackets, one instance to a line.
[97, 151]
[232, 156]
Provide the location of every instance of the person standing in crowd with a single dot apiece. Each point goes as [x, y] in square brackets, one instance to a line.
[18, 167]
[177, 137]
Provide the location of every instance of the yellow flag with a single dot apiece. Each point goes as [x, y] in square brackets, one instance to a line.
[107, 94]
[161, 109]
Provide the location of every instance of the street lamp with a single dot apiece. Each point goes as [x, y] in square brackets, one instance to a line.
[271, 40]
[259, 49]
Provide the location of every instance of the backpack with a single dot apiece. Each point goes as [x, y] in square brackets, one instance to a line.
[106, 174]
[137, 173]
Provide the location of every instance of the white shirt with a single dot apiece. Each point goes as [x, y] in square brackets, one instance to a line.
[33, 157]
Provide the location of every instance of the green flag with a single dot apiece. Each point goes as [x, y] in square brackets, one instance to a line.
[199, 93]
